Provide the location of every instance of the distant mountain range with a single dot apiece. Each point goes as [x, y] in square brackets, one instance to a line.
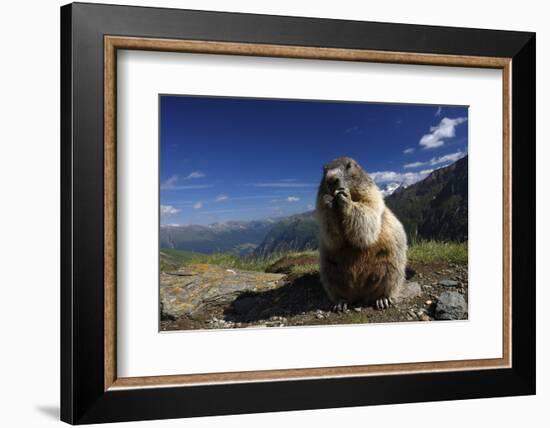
[389, 188]
[239, 237]
[434, 208]
[295, 233]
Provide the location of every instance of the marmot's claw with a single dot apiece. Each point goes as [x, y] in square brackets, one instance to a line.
[342, 197]
[344, 193]
[383, 303]
[340, 307]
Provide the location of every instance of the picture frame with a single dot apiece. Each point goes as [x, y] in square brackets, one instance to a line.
[91, 35]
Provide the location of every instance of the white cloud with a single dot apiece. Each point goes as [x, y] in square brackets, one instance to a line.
[405, 178]
[221, 198]
[353, 130]
[310, 206]
[414, 164]
[441, 132]
[408, 151]
[168, 210]
[451, 157]
[438, 111]
[219, 211]
[173, 183]
[185, 187]
[169, 182]
[250, 197]
[446, 159]
[283, 184]
[292, 199]
[198, 205]
[195, 174]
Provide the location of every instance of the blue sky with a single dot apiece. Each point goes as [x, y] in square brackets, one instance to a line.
[227, 159]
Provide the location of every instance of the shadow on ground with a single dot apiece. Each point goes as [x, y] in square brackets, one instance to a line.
[50, 411]
[300, 294]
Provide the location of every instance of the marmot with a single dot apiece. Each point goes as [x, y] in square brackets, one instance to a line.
[363, 246]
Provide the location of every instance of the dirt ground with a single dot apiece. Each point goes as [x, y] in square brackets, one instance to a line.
[211, 297]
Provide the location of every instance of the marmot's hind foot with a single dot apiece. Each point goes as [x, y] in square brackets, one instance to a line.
[383, 303]
[340, 307]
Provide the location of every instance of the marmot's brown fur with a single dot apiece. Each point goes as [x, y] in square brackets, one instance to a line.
[363, 246]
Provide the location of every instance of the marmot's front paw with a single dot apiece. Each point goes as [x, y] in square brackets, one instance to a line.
[340, 307]
[342, 197]
[383, 303]
[328, 200]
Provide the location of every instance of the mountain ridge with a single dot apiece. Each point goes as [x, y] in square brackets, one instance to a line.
[435, 208]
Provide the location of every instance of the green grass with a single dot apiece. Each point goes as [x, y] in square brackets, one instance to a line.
[305, 268]
[432, 251]
[172, 258]
[420, 252]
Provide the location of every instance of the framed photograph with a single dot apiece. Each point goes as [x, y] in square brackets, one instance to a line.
[266, 213]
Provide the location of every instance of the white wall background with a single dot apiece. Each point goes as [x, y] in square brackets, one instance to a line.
[29, 218]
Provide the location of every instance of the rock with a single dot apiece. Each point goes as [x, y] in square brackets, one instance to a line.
[410, 290]
[164, 315]
[424, 317]
[450, 306]
[195, 288]
[428, 302]
[357, 309]
[448, 283]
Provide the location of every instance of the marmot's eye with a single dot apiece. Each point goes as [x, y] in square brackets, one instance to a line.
[348, 166]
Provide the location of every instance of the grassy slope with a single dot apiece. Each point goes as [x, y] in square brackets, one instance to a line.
[432, 251]
[420, 252]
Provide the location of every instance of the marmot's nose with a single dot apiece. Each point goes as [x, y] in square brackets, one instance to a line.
[333, 177]
[333, 180]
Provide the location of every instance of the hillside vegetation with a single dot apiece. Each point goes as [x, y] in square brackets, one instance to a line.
[419, 252]
[171, 259]
[435, 208]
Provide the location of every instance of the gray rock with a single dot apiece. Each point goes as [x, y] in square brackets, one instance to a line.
[448, 283]
[450, 306]
[410, 290]
[195, 288]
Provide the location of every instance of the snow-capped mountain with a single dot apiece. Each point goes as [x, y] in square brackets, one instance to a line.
[389, 188]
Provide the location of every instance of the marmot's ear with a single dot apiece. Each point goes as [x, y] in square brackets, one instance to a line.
[349, 164]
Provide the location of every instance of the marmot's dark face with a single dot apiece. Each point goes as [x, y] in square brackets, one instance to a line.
[344, 174]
